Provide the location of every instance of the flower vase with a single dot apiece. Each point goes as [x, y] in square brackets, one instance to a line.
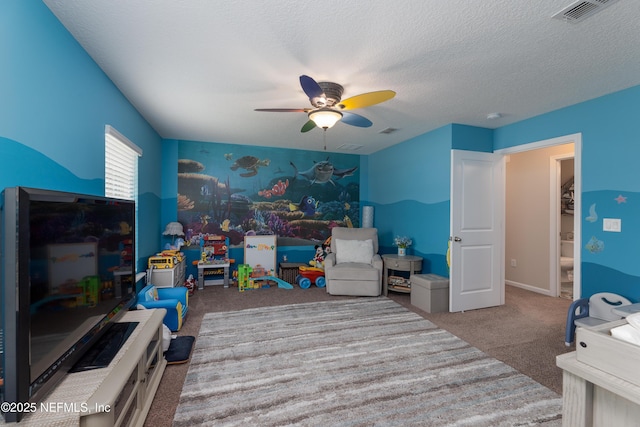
[402, 251]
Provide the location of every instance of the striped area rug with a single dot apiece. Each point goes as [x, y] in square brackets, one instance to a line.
[355, 362]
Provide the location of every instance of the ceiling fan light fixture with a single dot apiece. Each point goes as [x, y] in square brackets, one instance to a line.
[325, 118]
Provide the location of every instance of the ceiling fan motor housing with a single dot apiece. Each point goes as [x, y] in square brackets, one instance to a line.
[332, 92]
[327, 103]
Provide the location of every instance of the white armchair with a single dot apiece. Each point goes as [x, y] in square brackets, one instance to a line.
[354, 267]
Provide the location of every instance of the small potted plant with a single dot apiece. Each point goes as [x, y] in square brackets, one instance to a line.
[402, 242]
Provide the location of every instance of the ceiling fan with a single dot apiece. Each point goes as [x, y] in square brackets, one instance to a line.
[328, 108]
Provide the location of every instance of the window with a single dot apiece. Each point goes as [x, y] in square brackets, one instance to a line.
[120, 165]
[121, 170]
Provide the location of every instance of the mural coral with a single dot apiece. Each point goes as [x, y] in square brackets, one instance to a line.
[236, 191]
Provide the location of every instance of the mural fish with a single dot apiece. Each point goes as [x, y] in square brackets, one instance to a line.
[307, 205]
[228, 156]
[594, 245]
[225, 225]
[278, 189]
[322, 172]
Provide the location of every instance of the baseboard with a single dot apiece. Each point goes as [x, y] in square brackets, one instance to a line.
[535, 289]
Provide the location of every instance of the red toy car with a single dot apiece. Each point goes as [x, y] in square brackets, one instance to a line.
[309, 275]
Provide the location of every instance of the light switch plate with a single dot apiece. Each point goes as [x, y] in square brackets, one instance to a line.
[612, 224]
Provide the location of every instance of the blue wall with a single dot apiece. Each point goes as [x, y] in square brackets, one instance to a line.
[54, 105]
[409, 187]
[471, 138]
[610, 154]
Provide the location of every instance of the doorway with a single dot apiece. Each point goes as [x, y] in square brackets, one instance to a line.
[533, 246]
[562, 191]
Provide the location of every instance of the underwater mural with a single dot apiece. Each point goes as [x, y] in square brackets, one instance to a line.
[237, 190]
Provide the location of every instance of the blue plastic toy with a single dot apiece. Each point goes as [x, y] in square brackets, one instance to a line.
[281, 283]
[303, 282]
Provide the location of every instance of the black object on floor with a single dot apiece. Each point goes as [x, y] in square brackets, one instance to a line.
[179, 350]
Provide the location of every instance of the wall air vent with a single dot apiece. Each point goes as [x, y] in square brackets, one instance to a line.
[580, 10]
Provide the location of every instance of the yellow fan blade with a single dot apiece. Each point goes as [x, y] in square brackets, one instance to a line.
[366, 99]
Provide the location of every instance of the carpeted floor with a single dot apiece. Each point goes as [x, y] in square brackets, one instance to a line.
[356, 362]
[526, 333]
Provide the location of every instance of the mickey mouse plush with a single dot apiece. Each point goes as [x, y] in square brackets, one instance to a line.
[326, 246]
[318, 258]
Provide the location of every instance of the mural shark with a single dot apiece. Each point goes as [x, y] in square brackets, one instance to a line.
[322, 172]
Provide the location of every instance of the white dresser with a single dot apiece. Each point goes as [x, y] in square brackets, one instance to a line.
[601, 380]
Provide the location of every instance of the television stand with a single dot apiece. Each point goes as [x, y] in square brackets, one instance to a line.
[102, 352]
[118, 395]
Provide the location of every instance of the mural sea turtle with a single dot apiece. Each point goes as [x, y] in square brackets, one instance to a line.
[250, 163]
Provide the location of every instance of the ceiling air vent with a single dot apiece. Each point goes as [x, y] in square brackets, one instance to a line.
[388, 130]
[580, 10]
[350, 147]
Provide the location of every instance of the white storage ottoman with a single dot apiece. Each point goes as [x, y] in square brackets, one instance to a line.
[430, 292]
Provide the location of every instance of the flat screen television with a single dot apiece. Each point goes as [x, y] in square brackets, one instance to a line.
[59, 254]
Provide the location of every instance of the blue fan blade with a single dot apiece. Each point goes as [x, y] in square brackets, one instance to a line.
[355, 120]
[310, 87]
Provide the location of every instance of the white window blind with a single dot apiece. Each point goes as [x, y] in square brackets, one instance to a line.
[120, 165]
[121, 170]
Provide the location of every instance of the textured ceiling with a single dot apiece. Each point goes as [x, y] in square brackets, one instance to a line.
[197, 69]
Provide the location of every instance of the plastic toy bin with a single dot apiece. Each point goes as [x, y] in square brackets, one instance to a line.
[430, 292]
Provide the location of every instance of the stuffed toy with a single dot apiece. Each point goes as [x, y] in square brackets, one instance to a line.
[191, 284]
[326, 247]
[318, 258]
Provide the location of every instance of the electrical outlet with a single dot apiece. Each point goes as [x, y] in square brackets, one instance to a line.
[513, 263]
[612, 224]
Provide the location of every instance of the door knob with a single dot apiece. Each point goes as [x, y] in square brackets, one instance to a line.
[457, 239]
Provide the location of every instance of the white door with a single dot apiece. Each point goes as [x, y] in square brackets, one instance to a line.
[477, 235]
